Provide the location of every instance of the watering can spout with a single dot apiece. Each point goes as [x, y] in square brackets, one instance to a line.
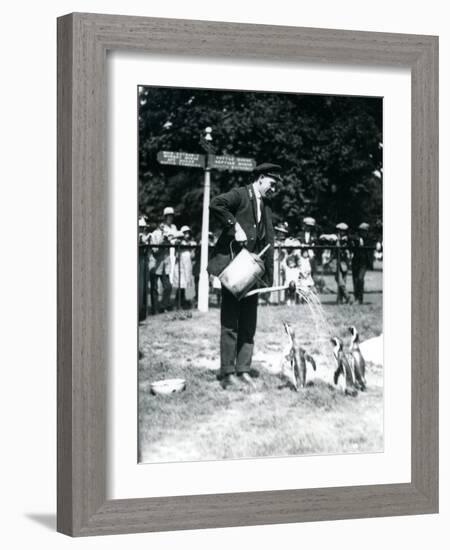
[264, 250]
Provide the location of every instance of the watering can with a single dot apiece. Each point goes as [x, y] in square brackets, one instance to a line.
[243, 272]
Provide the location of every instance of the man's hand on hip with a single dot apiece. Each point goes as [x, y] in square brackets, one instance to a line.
[239, 234]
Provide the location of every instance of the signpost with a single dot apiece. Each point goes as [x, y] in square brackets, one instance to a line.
[190, 160]
[207, 162]
[227, 162]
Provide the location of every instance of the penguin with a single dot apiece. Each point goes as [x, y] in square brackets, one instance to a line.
[297, 358]
[304, 356]
[358, 359]
[344, 367]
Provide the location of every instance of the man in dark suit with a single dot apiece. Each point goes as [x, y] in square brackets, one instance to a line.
[246, 217]
[308, 235]
[361, 261]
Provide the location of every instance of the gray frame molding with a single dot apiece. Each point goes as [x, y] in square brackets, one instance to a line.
[83, 40]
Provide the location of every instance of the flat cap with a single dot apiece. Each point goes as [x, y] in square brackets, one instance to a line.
[268, 169]
[364, 226]
[168, 210]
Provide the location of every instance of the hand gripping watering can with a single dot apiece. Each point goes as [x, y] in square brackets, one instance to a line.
[243, 272]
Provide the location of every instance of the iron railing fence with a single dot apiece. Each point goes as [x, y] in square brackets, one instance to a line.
[321, 268]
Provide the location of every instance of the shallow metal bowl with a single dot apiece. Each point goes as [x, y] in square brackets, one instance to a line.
[166, 387]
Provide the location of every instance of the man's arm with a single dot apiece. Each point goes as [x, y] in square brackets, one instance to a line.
[224, 208]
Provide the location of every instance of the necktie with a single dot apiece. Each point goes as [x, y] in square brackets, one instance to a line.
[261, 228]
[258, 208]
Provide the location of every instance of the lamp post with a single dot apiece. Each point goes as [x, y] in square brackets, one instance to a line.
[203, 283]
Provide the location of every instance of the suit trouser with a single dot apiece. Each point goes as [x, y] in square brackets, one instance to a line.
[342, 292]
[237, 331]
[358, 283]
[167, 291]
[154, 291]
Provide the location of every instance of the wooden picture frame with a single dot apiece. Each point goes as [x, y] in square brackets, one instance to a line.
[83, 41]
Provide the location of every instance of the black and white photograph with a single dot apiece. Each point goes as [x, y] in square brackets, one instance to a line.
[260, 275]
[227, 332]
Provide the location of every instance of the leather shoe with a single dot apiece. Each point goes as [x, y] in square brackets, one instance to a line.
[247, 379]
[229, 381]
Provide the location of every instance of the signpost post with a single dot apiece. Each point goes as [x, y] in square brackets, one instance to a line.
[203, 281]
[207, 162]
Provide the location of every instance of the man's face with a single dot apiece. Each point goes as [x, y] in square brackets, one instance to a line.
[168, 219]
[268, 186]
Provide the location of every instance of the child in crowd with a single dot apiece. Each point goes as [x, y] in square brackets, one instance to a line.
[305, 280]
[291, 272]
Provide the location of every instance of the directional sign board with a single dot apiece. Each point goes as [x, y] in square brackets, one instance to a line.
[227, 162]
[181, 159]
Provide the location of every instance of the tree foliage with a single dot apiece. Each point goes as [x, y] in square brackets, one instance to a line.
[330, 148]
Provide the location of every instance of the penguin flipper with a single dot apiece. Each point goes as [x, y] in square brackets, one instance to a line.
[296, 377]
[311, 360]
[359, 366]
[337, 373]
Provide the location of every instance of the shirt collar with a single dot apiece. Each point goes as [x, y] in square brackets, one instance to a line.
[256, 191]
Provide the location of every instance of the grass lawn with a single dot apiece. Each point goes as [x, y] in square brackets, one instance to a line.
[206, 422]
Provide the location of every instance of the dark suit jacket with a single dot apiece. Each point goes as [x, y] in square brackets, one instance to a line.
[239, 205]
[361, 257]
[312, 237]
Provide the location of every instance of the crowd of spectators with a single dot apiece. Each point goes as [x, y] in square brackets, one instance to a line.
[172, 262]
